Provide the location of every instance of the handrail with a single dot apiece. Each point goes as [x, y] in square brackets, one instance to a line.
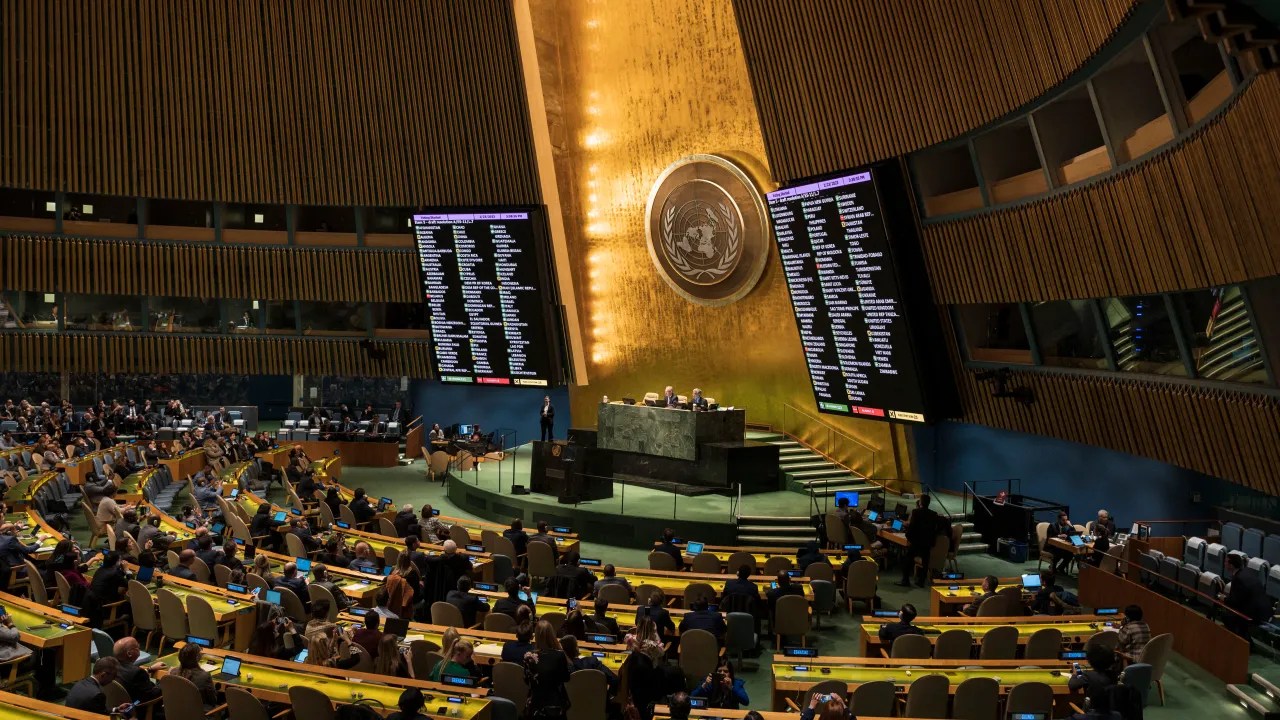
[830, 427]
[826, 453]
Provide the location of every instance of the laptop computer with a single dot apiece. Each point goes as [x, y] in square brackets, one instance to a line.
[217, 528]
[1031, 581]
[145, 573]
[396, 626]
[304, 565]
[873, 515]
[896, 526]
[694, 548]
[1077, 541]
[279, 516]
[230, 669]
[301, 657]
[273, 597]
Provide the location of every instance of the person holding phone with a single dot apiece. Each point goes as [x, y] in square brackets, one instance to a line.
[826, 707]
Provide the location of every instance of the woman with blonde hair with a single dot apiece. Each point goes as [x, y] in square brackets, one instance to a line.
[262, 568]
[456, 662]
[392, 659]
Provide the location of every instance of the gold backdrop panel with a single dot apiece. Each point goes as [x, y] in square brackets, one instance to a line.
[631, 86]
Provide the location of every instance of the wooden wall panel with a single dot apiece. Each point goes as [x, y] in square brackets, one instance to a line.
[329, 102]
[56, 264]
[1200, 214]
[48, 352]
[1234, 435]
[842, 84]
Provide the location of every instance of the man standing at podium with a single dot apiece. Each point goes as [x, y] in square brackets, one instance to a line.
[669, 398]
[547, 418]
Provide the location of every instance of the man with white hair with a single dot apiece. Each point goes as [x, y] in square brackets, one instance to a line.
[1105, 520]
[697, 402]
[405, 520]
[669, 398]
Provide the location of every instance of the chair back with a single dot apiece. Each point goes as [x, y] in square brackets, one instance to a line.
[181, 698]
[508, 682]
[1156, 654]
[954, 644]
[542, 559]
[499, 622]
[446, 614]
[657, 560]
[1044, 644]
[257, 582]
[294, 545]
[554, 619]
[64, 590]
[995, 606]
[740, 632]
[912, 646]
[1042, 535]
[141, 606]
[837, 530]
[35, 584]
[1013, 601]
[1000, 643]
[387, 528]
[390, 555]
[826, 687]
[588, 693]
[201, 569]
[310, 703]
[326, 516]
[696, 591]
[420, 655]
[824, 595]
[1138, 677]
[171, 558]
[503, 546]
[860, 582]
[705, 563]
[116, 694]
[173, 615]
[292, 605]
[200, 619]
[320, 592]
[791, 616]
[777, 564]
[738, 559]
[615, 594]
[927, 696]
[221, 575]
[644, 591]
[111, 535]
[820, 571]
[874, 699]
[1030, 697]
[503, 565]
[459, 535]
[699, 651]
[487, 538]
[243, 706]
[440, 465]
[977, 698]
[346, 516]
[1109, 639]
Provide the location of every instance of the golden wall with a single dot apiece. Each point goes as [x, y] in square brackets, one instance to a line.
[630, 87]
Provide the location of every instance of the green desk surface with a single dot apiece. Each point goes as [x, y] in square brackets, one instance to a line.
[264, 677]
[34, 623]
[27, 535]
[1024, 629]
[24, 491]
[902, 676]
[221, 604]
[133, 484]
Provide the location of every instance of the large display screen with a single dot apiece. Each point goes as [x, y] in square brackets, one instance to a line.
[846, 295]
[482, 278]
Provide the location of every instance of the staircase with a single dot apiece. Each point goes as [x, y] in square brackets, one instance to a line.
[804, 470]
[789, 532]
[8, 319]
[970, 542]
[1227, 349]
[1260, 697]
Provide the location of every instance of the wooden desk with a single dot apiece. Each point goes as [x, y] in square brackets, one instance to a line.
[78, 469]
[188, 463]
[133, 488]
[32, 524]
[277, 456]
[624, 614]
[793, 678]
[1075, 629]
[21, 707]
[269, 679]
[761, 554]
[362, 588]
[893, 537]
[42, 627]
[1204, 642]
[673, 583]
[565, 542]
[943, 600]
[227, 606]
[358, 454]
[23, 494]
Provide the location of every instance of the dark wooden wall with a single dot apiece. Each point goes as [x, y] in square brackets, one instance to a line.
[326, 102]
[1200, 214]
[144, 267]
[842, 84]
[123, 353]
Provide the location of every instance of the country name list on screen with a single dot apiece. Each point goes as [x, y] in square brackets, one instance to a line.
[844, 290]
[481, 288]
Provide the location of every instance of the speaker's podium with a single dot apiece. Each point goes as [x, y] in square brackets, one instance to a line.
[571, 472]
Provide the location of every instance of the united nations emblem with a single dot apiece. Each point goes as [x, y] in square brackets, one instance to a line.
[707, 229]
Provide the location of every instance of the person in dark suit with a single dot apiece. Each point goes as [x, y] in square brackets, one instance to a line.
[784, 587]
[1247, 597]
[547, 418]
[511, 604]
[700, 617]
[467, 603]
[87, 694]
[295, 582]
[892, 631]
[136, 680]
[581, 578]
[264, 524]
[109, 584]
[742, 585]
[669, 398]
[669, 547]
[656, 612]
[303, 533]
[611, 578]
[922, 528]
[186, 559]
[517, 536]
[989, 585]
[406, 518]
[361, 508]
[601, 620]
[543, 536]
[208, 552]
[696, 401]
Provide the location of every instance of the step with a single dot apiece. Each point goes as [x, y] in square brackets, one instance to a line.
[853, 487]
[970, 537]
[805, 464]
[777, 529]
[797, 449]
[819, 474]
[1257, 702]
[786, 519]
[787, 444]
[974, 547]
[790, 540]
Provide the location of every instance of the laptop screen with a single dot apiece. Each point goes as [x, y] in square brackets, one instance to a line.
[385, 501]
[872, 515]
[1077, 541]
[145, 572]
[693, 548]
[273, 597]
[897, 526]
[304, 565]
[231, 666]
[218, 528]
[279, 516]
[397, 626]
[1031, 581]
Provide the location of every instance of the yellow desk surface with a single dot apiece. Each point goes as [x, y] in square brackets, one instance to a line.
[42, 627]
[189, 462]
[1074, 628]
[624, 614]
[271, 680]
[356, 585]
[132, 487]
[674, 583]
[792, 680]
[171, 525]
[32, 524]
